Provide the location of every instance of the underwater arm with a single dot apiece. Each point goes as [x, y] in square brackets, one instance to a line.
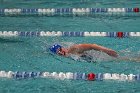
[128, 59]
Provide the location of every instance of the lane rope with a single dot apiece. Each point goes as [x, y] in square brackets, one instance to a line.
[68, 11]
[71, 76]
[68, 34]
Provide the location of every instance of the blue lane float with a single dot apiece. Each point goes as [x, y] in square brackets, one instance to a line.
[73, 34]
[137, 77]
[99, 76]
[31, 11]
[129, 9]
[126, 34]
[111, 34]
[1, 11]
[24, 75]
[28, 34]
[98, 10]
[63, 10]
[80, 76]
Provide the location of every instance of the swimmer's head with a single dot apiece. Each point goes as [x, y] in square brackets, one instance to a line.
[58, 49]
[55, 48]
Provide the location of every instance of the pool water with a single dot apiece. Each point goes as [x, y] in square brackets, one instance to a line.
[31, 54]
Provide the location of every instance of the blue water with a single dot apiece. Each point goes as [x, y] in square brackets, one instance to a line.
[29, 54]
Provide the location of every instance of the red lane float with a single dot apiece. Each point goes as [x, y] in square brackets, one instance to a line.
[120, 34]
[91, 76]
[136, 9]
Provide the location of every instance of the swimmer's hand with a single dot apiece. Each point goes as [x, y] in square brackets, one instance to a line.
[112, 53]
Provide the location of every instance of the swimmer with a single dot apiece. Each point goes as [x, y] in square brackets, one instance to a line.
[80, 49]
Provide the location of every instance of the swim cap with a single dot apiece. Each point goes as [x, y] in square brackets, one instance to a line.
[54, 48]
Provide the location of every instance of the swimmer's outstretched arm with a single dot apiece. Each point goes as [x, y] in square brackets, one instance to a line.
[80, 48]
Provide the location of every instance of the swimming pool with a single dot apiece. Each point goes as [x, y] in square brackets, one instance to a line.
[29, 54]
